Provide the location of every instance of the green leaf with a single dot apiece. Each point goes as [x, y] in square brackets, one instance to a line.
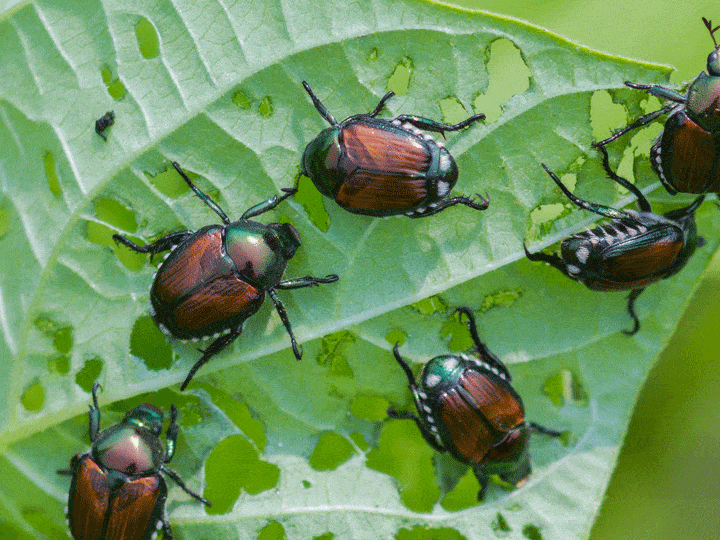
[217, 88]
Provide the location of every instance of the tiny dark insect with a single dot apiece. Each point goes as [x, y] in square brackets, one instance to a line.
[118, 490]
[380, 168]
[468, 407]
[104, 122]
[630, 252]
[215, 278]
[686, 155]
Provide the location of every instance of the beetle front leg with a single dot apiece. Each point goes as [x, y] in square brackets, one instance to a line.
[171, 435]
[631, 311]
[553, 260]
[446, 203]
[542, 430]
[307, 281]
[201, 195]
[599, 209]
[632, 188]
[269, 204]
[163, 244]
[438, 127]
[179, 481]
[482, 478]
[643, 120]
[215, 347]
[481, 347]
[392, 413]
[94, 414]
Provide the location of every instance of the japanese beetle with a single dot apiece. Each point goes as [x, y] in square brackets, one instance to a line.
[686, 156]
[215, 278]
[467, 406]
[380, 168]
[630, 252]
[118, 491]
[104, 122]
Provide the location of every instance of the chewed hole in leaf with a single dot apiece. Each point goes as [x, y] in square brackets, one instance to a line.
[464, 494]
[605, 116]
[369, 407]
[233, 466]
[115, 87]
[5, 221]
[33, 397]
[532, 532]
[59, 364]
[331, 451]
[169, 182]
[312, 201]
[430, 305]
[428, 533]
[266, 108]
[272, 531]
[565, 387]
[241, 100]
[509, 76]
[90, 372]
[373, 55]
[452, 110]
[332, 353]
[147, 38]
[62, 336]
[51, 174]
[396, 336]
[500, 526]
[115, 214]
[505, 298]
[149, 344]
[399, 81]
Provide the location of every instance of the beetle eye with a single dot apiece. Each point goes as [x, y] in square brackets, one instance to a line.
[713, 64]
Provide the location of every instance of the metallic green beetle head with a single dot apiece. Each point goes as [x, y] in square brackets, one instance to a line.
[145, 416]
[703, 101]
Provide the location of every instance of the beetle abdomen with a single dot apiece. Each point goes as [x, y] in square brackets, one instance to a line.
[686, 157]
[374, 192]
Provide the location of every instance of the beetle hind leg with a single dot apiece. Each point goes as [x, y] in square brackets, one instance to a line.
[215, 347]
[179, 481]
[280, 307]
[438, 127]
[447, 203]
[631, 311]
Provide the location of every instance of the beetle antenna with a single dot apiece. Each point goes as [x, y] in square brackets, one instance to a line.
[708, 25]
[404, 365]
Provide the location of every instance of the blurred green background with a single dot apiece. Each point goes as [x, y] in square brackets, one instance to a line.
[665, 485]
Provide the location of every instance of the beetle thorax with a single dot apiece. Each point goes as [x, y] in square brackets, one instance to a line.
[259, 252]
[703, 102]
[129, 449]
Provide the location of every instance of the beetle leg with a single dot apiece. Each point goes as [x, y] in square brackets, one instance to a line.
[380, 105]
[632, 188]
[179, 481]
[284, 317]
[167, 531]
[446, 203]
[631, 311]
[518, 474]
[552, 260]
[94, 414]
[599, 209]
[163, 244]
[438, 127]
[215, 347]
[202, 196]
[322, 109]
[269, 204]
[482, 477]
[542, 430]
[406, 369]
[307, 281]
[171, 435]
[637, 123]
[488, 356]
[392, 413]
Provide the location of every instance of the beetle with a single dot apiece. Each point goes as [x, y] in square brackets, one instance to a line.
[630, 252]
[118, 490]
[686, 155]
[467, 406]
[215, 278]
[104, 122]
[377, 167]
